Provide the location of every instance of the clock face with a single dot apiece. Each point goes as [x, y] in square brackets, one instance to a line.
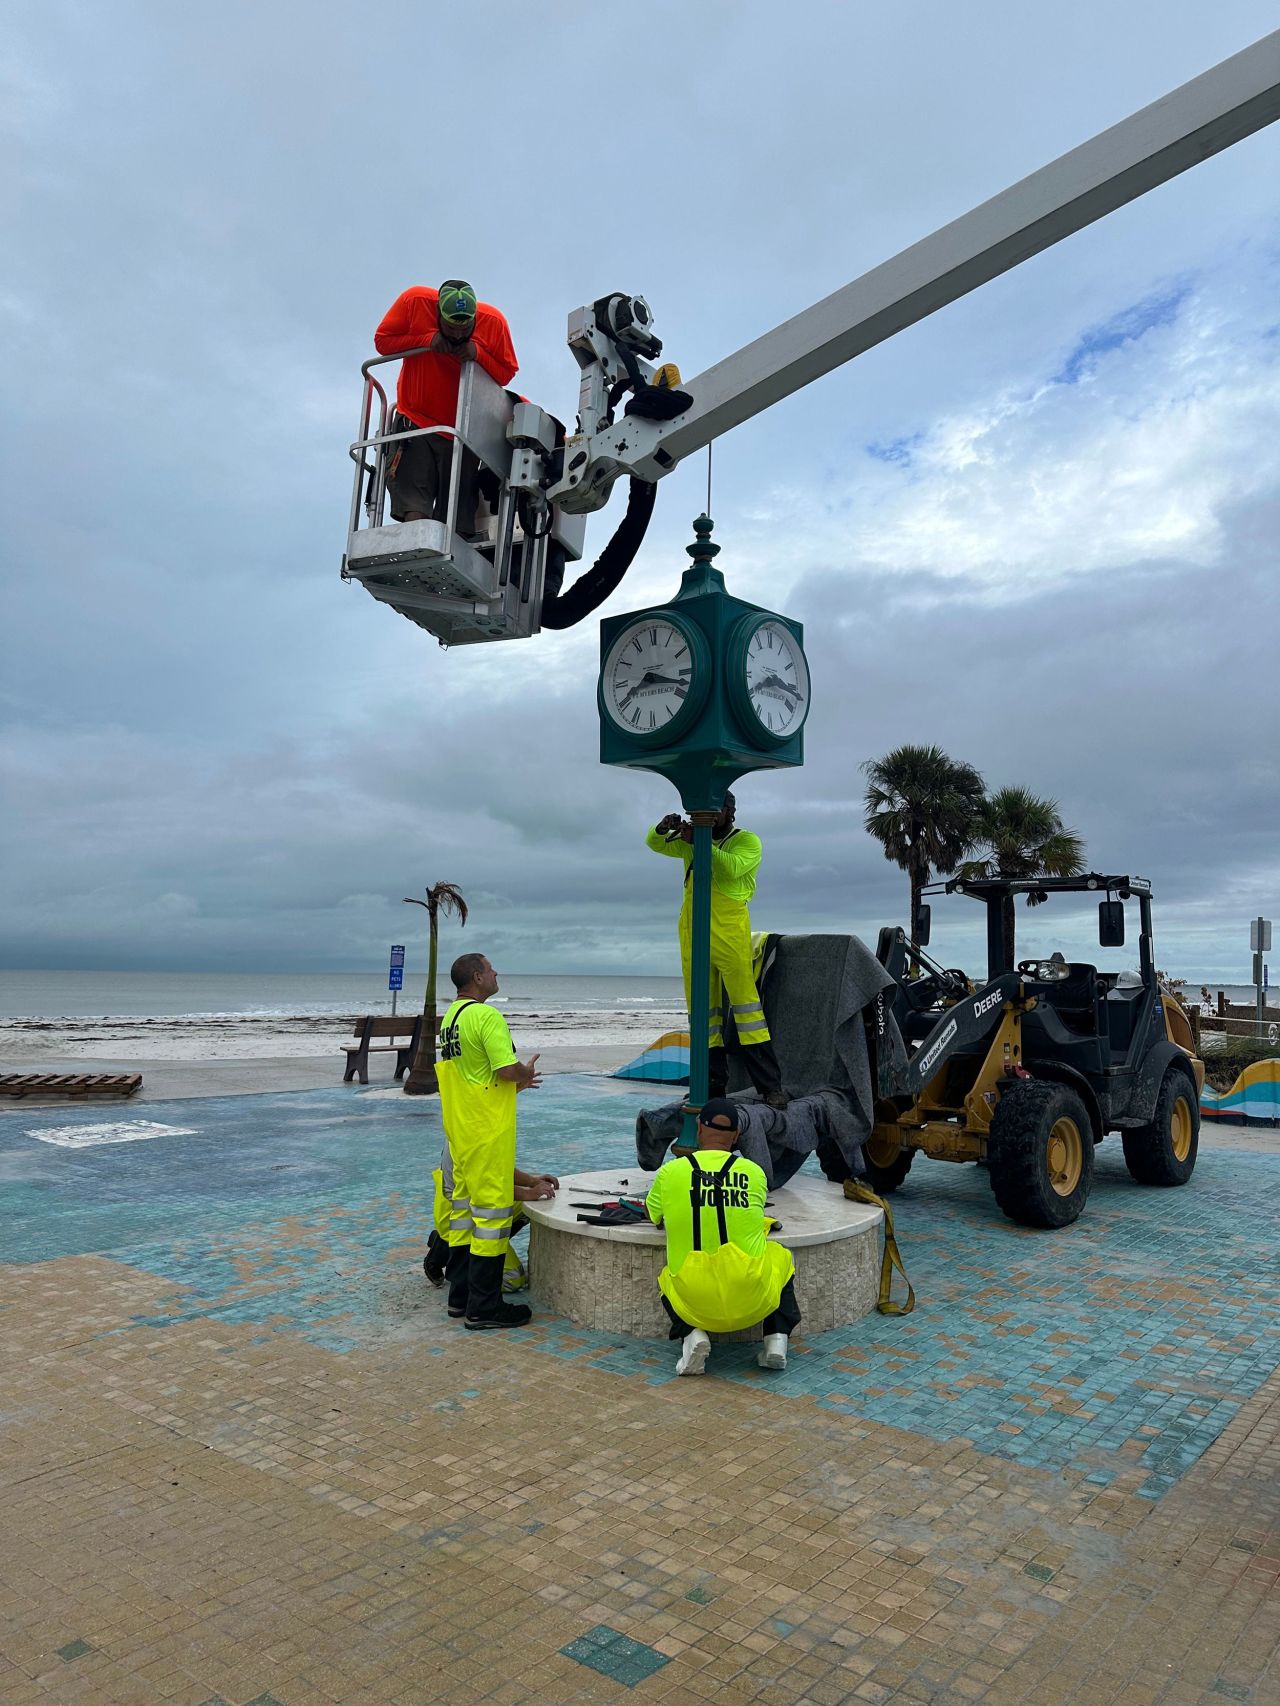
[653, 680]
[776, 677]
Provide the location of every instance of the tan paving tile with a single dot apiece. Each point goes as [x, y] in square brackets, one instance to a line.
[215, 1516]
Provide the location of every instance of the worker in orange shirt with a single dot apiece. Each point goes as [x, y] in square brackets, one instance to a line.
[452, 327]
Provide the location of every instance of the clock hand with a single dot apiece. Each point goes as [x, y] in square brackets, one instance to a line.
[777, 682]
[648, 679]
[644, 681]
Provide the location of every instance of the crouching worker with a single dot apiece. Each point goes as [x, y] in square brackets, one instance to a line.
[722, 1273]
[448, 1258]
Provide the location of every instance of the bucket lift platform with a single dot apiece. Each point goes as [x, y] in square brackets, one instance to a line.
[485, 587]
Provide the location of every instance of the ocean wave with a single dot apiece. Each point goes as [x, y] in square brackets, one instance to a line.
[213, 1036]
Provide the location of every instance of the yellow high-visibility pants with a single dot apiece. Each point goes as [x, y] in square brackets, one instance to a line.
[733, 984]
[447, 1210]
[453, 1220]
[475, 1201]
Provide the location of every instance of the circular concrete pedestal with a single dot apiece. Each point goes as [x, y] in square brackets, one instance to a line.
[606, 1277]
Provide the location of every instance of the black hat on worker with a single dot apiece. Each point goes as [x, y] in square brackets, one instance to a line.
[721, 1113]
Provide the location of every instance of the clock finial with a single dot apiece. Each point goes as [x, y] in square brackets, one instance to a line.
[702, 576]
[702, 550]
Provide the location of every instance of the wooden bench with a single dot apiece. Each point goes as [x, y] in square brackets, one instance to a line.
[70, 1083]
[366, 1030]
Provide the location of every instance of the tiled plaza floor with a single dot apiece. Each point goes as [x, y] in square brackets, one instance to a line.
[244, 1457]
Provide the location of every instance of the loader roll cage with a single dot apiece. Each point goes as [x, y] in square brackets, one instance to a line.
[992, 891]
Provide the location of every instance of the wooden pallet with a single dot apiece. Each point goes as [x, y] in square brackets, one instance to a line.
[70, 1083]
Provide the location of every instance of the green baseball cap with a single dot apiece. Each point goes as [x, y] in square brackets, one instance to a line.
[457, 303]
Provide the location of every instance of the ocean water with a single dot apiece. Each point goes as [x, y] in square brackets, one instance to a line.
[245, 1015]
[240, 1015]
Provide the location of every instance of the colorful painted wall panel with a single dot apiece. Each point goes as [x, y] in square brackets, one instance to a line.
[1255, 1095]
[665, 1061]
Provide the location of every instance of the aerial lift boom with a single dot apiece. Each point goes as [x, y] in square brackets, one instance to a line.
[548, 479]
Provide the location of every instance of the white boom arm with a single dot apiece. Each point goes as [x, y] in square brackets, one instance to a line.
[1204, 116]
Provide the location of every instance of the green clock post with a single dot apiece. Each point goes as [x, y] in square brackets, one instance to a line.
[703, 690]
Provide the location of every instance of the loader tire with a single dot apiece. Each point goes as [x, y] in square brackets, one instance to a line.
[1040, 1154]
[886, 1175]
[1164, 1152]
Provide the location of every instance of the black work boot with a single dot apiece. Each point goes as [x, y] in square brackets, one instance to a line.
[762, 1063]
[457, 1271]
[485, 1305]
[433, 1263]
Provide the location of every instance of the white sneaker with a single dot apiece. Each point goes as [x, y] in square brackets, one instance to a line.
[694, 1353]
[773, 1353]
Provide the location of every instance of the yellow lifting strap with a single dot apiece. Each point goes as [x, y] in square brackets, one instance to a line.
[856, 1191]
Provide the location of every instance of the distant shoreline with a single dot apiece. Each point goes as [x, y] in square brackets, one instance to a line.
[177, 1079]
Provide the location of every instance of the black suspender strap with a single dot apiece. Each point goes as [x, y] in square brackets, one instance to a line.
[453, 1026]
[688, 870]
[696, 1180]
[714, 1182]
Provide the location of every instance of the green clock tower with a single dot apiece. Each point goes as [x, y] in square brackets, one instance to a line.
[703, 690]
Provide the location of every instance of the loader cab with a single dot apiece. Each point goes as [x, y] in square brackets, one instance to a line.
[464, 591]
[1095, 1008]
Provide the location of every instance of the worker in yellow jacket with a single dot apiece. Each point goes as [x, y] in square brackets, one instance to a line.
[735, 860]
[722, 1273]
[479, 1075]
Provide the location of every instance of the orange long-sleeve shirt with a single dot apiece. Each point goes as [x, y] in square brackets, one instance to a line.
[427, 390]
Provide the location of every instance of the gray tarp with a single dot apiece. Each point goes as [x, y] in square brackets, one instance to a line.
[814, 996]
[779, 1142]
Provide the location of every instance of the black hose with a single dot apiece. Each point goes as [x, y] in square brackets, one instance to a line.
[604, 576]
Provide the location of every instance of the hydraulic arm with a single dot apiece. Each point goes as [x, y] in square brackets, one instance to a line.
[1194, 122]
[637, 421]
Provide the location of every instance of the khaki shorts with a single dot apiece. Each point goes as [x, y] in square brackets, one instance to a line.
[418, 478]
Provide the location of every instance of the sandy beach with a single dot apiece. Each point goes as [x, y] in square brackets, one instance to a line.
[171, 1079]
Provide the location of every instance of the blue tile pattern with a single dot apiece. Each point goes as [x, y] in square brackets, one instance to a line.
[615, 1655]
[1117, 1348]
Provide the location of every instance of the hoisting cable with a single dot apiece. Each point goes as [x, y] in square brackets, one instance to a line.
[604, 576]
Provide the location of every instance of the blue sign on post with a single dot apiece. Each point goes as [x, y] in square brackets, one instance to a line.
[395, 979]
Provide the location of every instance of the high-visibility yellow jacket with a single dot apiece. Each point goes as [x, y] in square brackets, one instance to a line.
[734, 861]
[721, 1272]
[477, 1106]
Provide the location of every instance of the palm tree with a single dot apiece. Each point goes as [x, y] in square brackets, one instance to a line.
[922, 806]
[1024, 837]
[421, 1078]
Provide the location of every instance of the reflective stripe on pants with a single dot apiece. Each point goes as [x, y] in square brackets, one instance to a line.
[732, 969]
[452, 1209]
[483, 1194]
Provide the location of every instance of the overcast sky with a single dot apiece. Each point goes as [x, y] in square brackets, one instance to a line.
[1041, 528]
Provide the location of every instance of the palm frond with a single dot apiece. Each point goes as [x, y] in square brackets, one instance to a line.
[447, 897]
